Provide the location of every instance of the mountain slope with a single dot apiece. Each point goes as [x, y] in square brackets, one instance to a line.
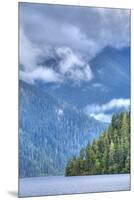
[51, 131]
[111, 70]
[109, 154]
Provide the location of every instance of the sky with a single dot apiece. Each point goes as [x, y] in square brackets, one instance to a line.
[60, 44]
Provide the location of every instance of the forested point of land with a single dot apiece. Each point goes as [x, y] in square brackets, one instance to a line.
[109, 154]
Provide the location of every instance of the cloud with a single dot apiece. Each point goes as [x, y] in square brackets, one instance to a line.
[28, 53]
[115, 31]
[28, 58]
[83, 29]
[102, 117]
[116, 103]
[100, 112]
[113, 104]
[73, 66]
[76, 38]
[41, 73]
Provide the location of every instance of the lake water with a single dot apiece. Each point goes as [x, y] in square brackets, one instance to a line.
[57, 185]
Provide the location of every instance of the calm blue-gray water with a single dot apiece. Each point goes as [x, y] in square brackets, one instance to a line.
[56, 185]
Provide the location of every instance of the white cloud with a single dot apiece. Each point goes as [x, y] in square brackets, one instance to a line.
[28, 53]
[68, 59]
[41, 73]
[73, 66]
[76, 38]
[116, 103]
[102, 117]
[113, 104]
[83, 29]
[98, 111]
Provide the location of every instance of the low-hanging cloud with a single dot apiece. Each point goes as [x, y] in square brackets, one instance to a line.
[44, 74]
[113, 104]
[102, 117]
[28, 53]
[100, 112]
[76, 38]
[71, 65]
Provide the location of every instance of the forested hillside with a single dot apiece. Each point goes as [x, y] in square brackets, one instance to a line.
[108, 154]
[51, 132]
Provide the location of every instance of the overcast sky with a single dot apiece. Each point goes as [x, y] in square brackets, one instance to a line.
[71, 35]
[74, 34]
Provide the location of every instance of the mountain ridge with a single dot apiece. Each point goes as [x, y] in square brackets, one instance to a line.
[51, 131]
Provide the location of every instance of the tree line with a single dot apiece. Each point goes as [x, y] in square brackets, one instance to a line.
[109, 154]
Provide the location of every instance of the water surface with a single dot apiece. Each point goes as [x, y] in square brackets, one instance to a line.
[57, 185]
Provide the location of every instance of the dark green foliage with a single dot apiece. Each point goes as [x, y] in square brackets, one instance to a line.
[108, 154]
